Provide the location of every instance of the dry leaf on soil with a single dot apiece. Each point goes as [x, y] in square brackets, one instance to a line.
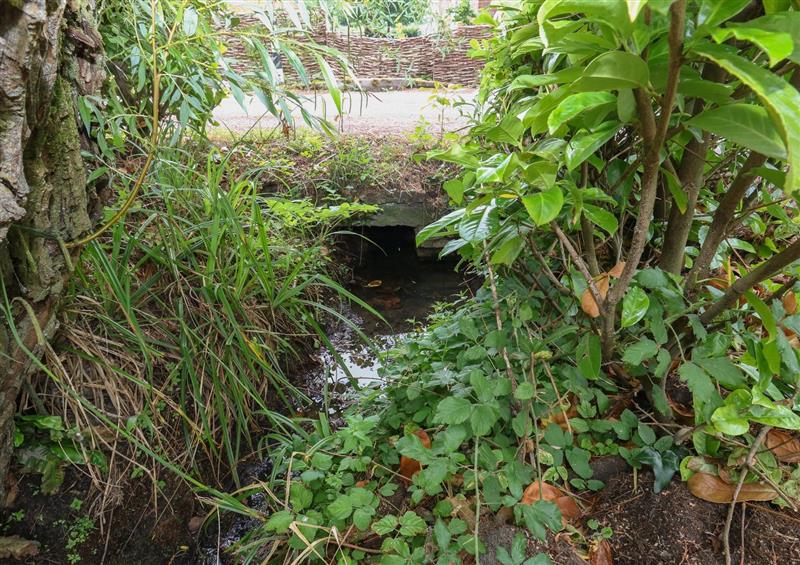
[600, 554]
[714, 489]
[410, 467]
[17, 548]
[784, 446]
[544, 491]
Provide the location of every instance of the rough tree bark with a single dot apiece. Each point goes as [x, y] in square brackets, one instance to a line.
[50, 53]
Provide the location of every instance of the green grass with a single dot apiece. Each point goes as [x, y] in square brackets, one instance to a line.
[187, 316]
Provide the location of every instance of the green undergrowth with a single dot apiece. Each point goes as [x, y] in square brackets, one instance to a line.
[181, 323]
[307, 164]
[493, 431]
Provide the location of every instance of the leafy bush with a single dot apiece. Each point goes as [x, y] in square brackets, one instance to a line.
[628, 191]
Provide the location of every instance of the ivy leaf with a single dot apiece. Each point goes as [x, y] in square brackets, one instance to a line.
[780, 97]
[452, 410]
[634, 306]
[385, 525]
[544, 206]
[412, 525]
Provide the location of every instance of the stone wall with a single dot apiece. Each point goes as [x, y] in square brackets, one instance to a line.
[442, 58]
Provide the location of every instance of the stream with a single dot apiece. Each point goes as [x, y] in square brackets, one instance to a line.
[403, 289]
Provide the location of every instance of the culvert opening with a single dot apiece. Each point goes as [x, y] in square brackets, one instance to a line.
[390, 275]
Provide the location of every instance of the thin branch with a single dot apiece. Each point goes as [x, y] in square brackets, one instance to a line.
[546, 268]
[768, 268]
[722, 217]
[582, 267]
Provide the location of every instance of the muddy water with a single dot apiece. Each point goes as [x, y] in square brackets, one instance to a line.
[398, 286]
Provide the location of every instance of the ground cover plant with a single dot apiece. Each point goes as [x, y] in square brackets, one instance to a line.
[628, 191]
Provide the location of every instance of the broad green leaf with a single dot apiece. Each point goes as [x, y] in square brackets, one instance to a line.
[509, 130]
[699, 383]
[714, 12]
[278, 522]
[341, 508]
[385, 525]
[785, 22]
[634, 306]
[452, 410]
[579, 461]
[776, 44]
[780, 98]
[601, 217]
[724, 372]
[626, 105]
[454, 189]
[362, 518]
[482, 419]
[543, 207]
[729, 420]
[747, 125]
[412, 525]
[524, 391]
[444, 224]
[479, 225]
[612, 71]
[573, 105]
[640, 351]
[541, 516]
[584, 144]
[507, 252]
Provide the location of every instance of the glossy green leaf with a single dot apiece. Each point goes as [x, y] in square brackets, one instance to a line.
[612, 71]
[787, 22]
[776, 44]
[479, 225]
[747, 125]
[452, 410]
[781, 98]
[573, 105]
[634, 306]
[714, 12]
[634, 7]
[543, 207]
[640, 351]
[584, 144]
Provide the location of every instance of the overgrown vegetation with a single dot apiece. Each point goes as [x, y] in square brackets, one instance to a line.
[628, 193]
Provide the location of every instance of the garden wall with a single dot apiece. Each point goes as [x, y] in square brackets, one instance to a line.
[442, 58]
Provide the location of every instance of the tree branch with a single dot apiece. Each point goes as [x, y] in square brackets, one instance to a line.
[768, 268]
[598, 298]
[722, 217]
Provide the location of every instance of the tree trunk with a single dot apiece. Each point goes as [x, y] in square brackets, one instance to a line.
[50, 54]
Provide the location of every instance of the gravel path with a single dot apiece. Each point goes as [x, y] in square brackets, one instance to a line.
[392, 112]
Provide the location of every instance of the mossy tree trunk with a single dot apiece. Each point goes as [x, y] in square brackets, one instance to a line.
[50, 54]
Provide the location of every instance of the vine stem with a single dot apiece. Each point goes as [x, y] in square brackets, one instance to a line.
[151, 154]
[477, 505]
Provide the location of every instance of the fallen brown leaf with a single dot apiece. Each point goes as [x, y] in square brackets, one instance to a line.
[714, 489]
[784, 446]
[600, 553]
[588, 303]
[408, 466]
[790, 302]
[17, 548]
[544, 491]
